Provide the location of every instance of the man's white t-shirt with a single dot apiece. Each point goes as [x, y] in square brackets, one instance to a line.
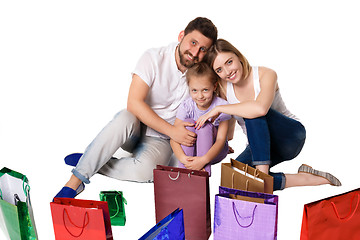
[168, 88]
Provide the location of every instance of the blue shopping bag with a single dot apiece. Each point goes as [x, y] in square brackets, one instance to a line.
[171, 227]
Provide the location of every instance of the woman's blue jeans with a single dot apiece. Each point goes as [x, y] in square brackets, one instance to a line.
[273, 138]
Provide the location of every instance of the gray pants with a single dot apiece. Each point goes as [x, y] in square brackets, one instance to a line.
[123, 152]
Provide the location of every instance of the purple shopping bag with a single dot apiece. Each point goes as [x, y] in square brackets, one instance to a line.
[248, 219]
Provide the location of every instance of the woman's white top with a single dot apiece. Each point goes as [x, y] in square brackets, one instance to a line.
[277, 104]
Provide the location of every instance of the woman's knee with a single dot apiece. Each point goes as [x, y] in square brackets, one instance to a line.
[256, 124]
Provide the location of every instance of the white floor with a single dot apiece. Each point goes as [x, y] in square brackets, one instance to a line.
[65, 71]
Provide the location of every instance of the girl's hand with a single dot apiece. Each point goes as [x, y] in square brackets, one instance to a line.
[231, 150]
[196, 163]
[211, 115]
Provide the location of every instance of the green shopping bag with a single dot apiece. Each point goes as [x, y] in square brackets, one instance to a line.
[116, 201]
[16, 215]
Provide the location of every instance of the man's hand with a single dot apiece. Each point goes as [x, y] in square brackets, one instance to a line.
[183, 136]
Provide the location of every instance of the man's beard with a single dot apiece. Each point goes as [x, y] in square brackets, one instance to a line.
[185, 62]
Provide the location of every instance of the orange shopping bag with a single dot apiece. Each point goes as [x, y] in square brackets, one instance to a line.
[81, 219]
[336, 218]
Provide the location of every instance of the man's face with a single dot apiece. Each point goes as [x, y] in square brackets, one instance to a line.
[192, 48]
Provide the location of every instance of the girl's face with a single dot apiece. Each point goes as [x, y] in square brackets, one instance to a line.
[201, 91]
[228, 67]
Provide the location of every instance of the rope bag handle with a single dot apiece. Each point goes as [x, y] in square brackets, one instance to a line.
[86, 216]
[350, 214]
[237, 213]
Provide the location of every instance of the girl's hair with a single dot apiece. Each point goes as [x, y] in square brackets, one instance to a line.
[222, 45]
[202, 69]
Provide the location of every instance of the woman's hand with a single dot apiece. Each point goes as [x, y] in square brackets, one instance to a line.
[195, 163]
[211, 115]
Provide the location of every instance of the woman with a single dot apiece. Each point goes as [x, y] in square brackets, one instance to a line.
[274, 133]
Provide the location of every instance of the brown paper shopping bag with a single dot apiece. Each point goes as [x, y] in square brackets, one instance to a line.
[241, 176]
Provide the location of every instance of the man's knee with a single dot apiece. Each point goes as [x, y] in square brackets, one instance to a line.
[124, 117]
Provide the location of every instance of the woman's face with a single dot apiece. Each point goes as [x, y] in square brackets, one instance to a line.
[228, 67]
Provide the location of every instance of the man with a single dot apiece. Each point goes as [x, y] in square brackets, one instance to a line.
[158, 87]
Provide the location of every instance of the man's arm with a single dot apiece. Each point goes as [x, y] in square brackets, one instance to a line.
[136, 105]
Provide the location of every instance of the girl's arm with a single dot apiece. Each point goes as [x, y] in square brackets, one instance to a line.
[251, 108]
[198, 163]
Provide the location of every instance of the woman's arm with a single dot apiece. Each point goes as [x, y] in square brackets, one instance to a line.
[198, 163]
[251, 108]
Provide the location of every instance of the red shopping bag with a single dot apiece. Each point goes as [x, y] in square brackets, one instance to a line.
[336, 217]
[187, 189]
[80, 219]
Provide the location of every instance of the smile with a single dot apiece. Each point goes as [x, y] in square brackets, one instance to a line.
[232, 76]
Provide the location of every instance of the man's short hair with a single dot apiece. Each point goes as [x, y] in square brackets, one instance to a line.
[204, 26]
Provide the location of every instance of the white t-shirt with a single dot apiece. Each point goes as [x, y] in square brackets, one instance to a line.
[277, 104]
[168, 88]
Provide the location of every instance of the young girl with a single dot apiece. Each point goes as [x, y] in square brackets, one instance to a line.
[211, 142]
[274, 133]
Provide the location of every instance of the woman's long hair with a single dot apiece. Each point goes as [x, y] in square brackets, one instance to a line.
[222, 45]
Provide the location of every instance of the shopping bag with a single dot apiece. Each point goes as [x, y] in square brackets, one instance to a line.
[243, 177]
[116, 201]
[186, 189]
[16, 214]
[250, 220]
[336, 217]
[80, 219]
[171, 227]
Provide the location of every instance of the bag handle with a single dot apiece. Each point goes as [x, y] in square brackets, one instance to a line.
[178, 175]
[256, 173]
[246, 169]
[349, 215]
[82, 227]
[237, 213]
[233, 181]
[26, 188]
[117, 203]
[175, 178]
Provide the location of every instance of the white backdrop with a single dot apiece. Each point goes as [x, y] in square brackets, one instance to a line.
[65, 71]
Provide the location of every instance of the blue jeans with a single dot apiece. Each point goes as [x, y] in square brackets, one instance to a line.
[273, 138]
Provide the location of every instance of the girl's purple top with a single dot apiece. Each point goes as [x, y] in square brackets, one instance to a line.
[188, 109]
